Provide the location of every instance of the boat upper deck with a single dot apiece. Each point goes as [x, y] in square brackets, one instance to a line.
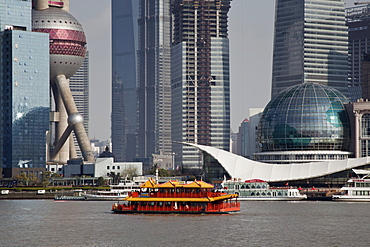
[178, 191]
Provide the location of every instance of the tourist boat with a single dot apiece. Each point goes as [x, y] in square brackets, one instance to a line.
[260, 190]
[177, 197]
[357, 189]
[115, 193]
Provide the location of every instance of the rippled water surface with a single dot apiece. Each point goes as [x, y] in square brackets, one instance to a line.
[86, 223]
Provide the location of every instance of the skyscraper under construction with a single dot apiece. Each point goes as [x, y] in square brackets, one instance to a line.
[200, 78]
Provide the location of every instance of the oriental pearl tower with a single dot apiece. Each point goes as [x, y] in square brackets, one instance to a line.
[67, 53]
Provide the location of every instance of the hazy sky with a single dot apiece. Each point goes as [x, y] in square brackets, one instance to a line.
[251, 28]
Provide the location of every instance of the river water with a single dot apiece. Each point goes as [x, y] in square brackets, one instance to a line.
[88, 223]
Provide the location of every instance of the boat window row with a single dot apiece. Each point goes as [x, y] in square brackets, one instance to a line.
[241, 187]
[253, 193]
[361, 193]
[362, 184]
[168, 204]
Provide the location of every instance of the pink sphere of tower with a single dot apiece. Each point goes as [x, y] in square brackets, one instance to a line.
[67, 40]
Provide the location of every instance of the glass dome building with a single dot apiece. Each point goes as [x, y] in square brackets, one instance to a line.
[303, 123]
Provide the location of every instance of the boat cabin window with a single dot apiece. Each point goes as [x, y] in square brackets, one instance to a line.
[361, 193]
[247, 187]
[236, 186]
[242, 187]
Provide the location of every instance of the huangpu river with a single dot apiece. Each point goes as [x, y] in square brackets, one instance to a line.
[89, 223]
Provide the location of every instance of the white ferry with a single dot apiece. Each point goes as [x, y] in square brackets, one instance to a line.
[357, 189]
[117, 192]
[260, 190]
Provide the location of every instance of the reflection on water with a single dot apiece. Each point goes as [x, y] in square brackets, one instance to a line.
[87, 223]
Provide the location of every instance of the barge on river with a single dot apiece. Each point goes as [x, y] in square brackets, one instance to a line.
[176, 197]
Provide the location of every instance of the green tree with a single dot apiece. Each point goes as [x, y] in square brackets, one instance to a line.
[45, 178]
[55, 175]
[101, 181]
[23, 179]
[161, 171]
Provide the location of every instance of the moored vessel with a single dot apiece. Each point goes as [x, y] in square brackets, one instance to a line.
[357, 189]
[115, 193]
[260, 190]
[75, 197]
[177, 197]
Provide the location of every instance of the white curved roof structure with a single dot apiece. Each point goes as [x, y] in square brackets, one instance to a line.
[243, 168]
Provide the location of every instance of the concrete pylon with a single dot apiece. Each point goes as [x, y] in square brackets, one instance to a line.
[75, 121]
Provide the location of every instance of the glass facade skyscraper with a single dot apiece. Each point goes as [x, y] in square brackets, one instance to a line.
[358, 22]
[24, 89]
[154, 78]
[141, 89]
[310, 44]
[200, 78]
[124, 61]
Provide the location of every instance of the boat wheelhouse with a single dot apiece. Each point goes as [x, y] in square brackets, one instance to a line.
[357, 189]
[177, 197]
[260, 190]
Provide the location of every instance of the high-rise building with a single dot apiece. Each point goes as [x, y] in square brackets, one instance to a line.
[200, 78]
[310, 44]
[79, 84]
[242, 138]
[248, 134]
[358, 22]
[154, 78]
[24, 91]
[124, 97]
